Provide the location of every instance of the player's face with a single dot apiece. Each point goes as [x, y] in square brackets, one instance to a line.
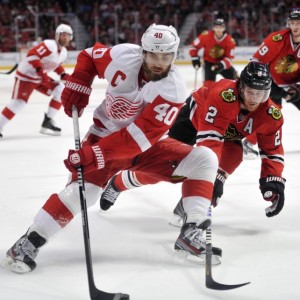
[157, 65]
[218, 30]
[252, 98]
[295, 28]
[64, 39]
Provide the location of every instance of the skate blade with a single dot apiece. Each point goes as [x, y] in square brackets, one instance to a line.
[49, 132]
[176, 221]
[15, 266]
[198, 259]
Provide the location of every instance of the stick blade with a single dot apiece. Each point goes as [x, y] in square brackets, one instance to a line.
[100, 295]
[211, 284]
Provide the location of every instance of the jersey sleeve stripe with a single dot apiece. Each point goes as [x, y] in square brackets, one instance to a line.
[209, 135]
[138, 135]
[276, 158]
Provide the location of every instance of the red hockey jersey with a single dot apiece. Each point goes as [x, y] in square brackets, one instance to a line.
[214, 50]
[283, 57]
[217, 116]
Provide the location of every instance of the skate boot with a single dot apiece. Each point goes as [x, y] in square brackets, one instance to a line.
[248, 151]
[191, 243]
[20, 257]
[178, 215]
[109, 195]
[1, 136]
[48, 127]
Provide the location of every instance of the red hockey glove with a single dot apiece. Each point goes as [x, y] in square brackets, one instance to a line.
[64, 76]
[77, 93]
[272, 189]
[40, 72]
[89, 157]
[218, 187]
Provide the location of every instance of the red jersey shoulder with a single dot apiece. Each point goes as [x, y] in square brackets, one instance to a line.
[226, 90]
[273, 111]
[277, 36]
[230, 40]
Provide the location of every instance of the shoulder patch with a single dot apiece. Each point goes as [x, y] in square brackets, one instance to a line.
[277, 37]
[275, 113]
[228, 95]
[204, 32]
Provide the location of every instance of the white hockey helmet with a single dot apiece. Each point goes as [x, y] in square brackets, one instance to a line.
[63, 28]
[160, 39]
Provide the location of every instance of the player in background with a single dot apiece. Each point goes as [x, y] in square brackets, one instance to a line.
[281, 52]
[219, 118]
[217, 50]
[142, 100]
[31, 74]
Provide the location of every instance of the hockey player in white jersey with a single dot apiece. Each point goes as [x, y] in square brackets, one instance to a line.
[31, 74]
[144, 95]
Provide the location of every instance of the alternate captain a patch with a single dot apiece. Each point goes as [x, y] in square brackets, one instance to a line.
[228, 95]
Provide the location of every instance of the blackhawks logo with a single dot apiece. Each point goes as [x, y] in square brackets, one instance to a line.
[277, 38]
[216, 52]
[232, 134]
[287, 64]
[275, 113]
[228, 96]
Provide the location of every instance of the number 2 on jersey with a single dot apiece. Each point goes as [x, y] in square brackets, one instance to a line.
[211, 114]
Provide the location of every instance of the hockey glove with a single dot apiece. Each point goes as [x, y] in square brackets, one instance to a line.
[219, 67]
[272, 189]
[64, 76]
[45, 78]
[218, 187]
[76, 93]
[89, 157]
[293, 93]
[196, 62]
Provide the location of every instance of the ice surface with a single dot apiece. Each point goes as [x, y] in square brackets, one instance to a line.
[132, 244]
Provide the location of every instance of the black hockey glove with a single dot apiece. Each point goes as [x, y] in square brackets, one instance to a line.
[219, 67]
[196, 62]
[218, 187]
[272, 189]
[293, 93]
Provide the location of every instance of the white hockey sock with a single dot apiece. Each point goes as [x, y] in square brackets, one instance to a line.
[196, 208]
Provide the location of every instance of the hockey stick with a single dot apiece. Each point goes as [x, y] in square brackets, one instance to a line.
[95, 294]
[195, 81]
[10, 71]
[209, 281]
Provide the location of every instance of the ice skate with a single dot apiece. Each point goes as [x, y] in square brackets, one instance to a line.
[48, 127]
[20, 257]
[191, 243]
[109, 195]
[248, 150]
[178, 215]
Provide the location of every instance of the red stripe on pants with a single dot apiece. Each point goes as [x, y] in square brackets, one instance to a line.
[57, 210]
[55, 104]
[7, 113]
[200, 188]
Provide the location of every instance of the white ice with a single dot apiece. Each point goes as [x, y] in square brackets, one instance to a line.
[132, 244]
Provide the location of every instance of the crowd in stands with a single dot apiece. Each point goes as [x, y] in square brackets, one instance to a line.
[111, 22]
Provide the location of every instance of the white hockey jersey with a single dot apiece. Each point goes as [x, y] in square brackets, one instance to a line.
[48, 54]
[138, 112]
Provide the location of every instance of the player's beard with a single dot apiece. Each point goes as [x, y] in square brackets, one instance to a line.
[151, 76]
[63, 43]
